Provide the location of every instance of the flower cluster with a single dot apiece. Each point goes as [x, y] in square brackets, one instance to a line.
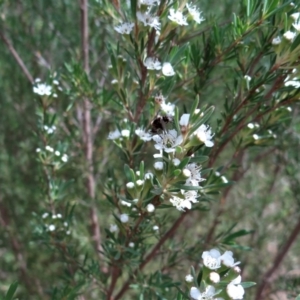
[221, 278]
[44, 89]
[48, 151]
[55, 223]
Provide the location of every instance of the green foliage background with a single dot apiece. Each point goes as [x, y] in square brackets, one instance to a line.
[264, 199]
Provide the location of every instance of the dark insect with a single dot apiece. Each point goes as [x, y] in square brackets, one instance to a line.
[159, 124]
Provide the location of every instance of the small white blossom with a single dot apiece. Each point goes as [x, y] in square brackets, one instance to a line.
[139, 182]
[131, 245]
[295, 16]
[212, 259]
[184, 120]
[124, 203]
[168, 108]
[124, 28]
[150, 208]
[130, 185]
[186, 173]
[114, 135]
[203, 133]
[158, 166]
[177, 17]
[64, 158]
[152, 63]
[143, 135]
[45, 215]
[48, 148]
[114, 81]
[296, 25]
[195, 176]
[167, 141]
[293, 83]
[175, 162]
[276, 41]
[148, 176]
[124, 218]
[189, 278]
[185, 201]
[214, 277]
[38, 150]
[234, 290]
[155, 228]
[66, 224]
[51, 227]
[228, 260]
[59, 216]
[42, 89]
[113, 228]
[57, 153]
[125, 133]
[247, 78]
[167, 69]
[148, 20]
[289, 35]
[195, 13]
[209, 293]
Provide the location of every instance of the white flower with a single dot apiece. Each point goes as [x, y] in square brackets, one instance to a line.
[143, 135]
[57, 153]
[214, 277]
[168, 108]
[189, 278]
[155, 228]
[177, 17]
[247, 78]
[131, 244]
[48, 148]
[114, 81]
[296, 25]
[148, 20]
[124, 28]
[124, 203]
[59, 216]
[148, 176]
[186, 173]
[276, 41]
[295, 16]
[149, 2]
[51, 227]
[113, 228]
[150, 208]
[159, 166]
[45, 215]
[114, 135]
[293, 83]
[125, 133]
[185, 201]
[235, 290]
[184, 120]
[212, 259]
[228, 260]
[167, 141]
[289, 35]
[64, 158]
[152, 63]
[38, 150]
[167, 69]
[209, 293]
[130, 185]
[124, 218]
[175, 162]
[139, 182]
[42, 89]
[195, 177]
[203, 133]
[196, 15]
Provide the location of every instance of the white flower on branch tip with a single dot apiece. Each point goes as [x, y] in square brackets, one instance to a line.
[184, 120]
[143, 135]
[150, 208]
[296, 25]
[149, 2]
[295, 16]
[209, 293]
[185, 201]
[214, 277]
[177, 17]
[152, 63]
[228, 260]
[289, 35]
[195, 13]
[168, 108]
[125, 133]
[124, 28]
[148, 20]
[167, 141]
[155, 228]
[195, 177]
[114, 135]
[158, 165]
[124, 218]
[167, 69]
[212, 259]
[234, 290]
[276, 41]
[113, 228]
[203, 133]
[42, 89]
[189, 278]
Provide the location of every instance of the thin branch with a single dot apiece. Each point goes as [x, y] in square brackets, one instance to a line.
[88, 131]
[16, 57]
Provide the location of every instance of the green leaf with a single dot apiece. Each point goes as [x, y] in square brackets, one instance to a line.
[133, 8]
[199, 159]
[298, 297]
[142, 169]
[11, 291]
[129, 173]
[248, 284]
[238, 234]
[188, 187]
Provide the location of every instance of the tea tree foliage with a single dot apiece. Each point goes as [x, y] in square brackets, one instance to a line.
[149, 149]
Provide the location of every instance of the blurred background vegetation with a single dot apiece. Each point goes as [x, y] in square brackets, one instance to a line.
[265, 200]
